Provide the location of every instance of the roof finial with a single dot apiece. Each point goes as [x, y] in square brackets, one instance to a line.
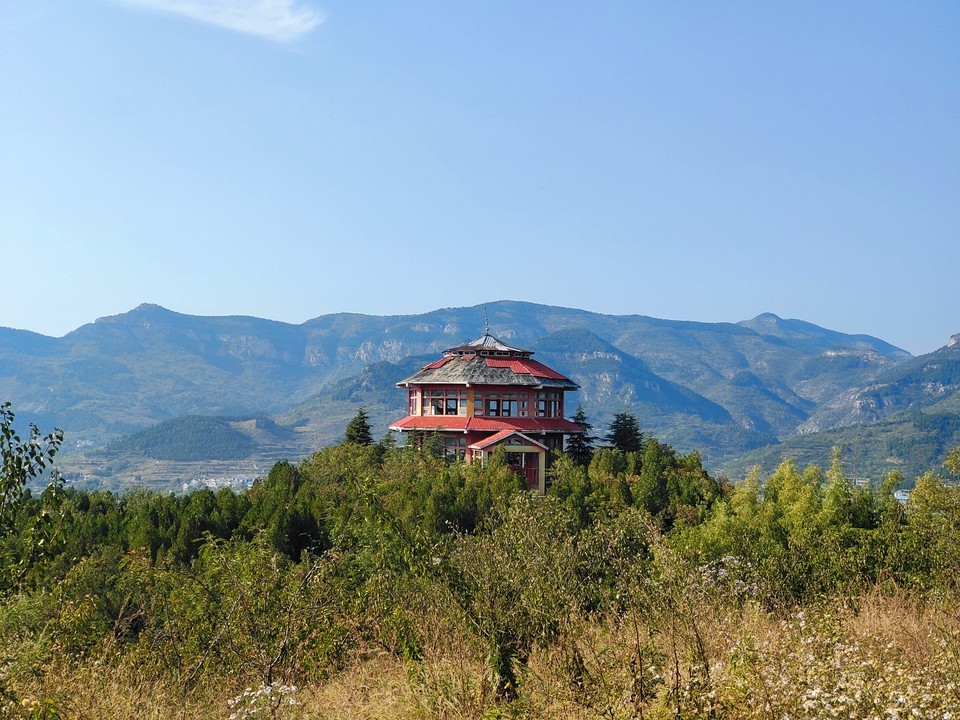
[486, 321]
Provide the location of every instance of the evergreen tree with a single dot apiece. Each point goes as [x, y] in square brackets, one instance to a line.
[386, 445]
[624, 433]
[358, 430]
[580, 446]
[388, 442]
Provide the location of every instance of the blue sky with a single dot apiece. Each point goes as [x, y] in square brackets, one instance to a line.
[291, 158]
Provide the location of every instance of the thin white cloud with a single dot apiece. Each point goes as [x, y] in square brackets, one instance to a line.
[281, 20]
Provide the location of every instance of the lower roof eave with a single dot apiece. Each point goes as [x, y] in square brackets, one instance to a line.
[483, 424]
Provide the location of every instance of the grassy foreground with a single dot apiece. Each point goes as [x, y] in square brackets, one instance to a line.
[876, 657]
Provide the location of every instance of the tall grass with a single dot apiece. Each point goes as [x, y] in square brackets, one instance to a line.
[872, 656]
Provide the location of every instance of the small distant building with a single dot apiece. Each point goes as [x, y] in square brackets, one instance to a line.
[901, 495]
[487, 394]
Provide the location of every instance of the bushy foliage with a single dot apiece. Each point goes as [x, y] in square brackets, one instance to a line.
[28, 528]
[638, 586]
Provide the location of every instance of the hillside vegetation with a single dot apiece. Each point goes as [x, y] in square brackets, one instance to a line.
[186, 438]
[911, 443]
[375, 581]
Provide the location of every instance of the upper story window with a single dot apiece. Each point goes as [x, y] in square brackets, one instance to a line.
[550, 403]
[444, 402]
[495, 403]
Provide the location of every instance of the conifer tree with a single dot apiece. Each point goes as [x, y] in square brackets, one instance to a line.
[624, 433]
[580, 446]
[358, 430]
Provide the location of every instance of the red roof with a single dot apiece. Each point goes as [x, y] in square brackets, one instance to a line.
[502, 435]
[437, 363]
[525, 366]
[489, 362]
[485, 424]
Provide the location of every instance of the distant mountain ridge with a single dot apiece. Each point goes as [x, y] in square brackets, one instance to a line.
[806, 335]
[929, 382]
[722, 388]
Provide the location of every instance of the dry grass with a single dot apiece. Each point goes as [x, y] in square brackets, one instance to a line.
[93, 691]
[882, 657]
[893, 657]
[375, 687]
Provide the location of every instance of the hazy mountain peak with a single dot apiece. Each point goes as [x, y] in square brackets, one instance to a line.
[814, 338]
[150, 309]
[577, 340]
[769, 323]
[767, 318]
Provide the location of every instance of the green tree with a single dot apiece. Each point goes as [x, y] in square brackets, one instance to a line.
[932, 536]
[624, 433]
[838, 493]
[387, 444]
[25, 535]
[358, 429]
[651, 490]
[281, 513]
[952, 463]
[580, 446]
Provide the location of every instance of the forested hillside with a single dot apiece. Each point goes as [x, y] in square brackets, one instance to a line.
[911, 443]
[199, 438]
[376, 581]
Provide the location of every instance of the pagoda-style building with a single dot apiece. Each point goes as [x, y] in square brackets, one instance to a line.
[486, 394]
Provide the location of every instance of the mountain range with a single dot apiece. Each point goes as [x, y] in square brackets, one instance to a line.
[737, 392]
